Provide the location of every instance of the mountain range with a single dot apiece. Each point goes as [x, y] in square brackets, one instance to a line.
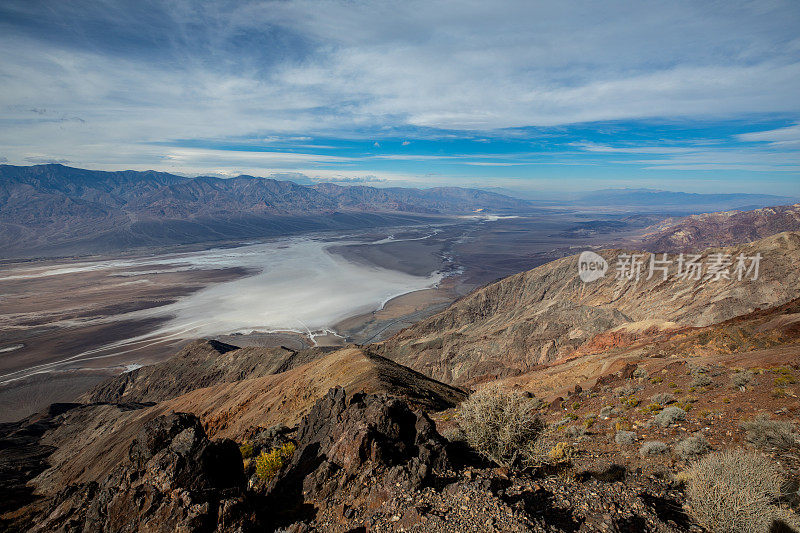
[696, 232]
[53, 209]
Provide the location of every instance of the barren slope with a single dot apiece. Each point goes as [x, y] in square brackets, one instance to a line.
[91, 439]
[721, 229]
[545, 314]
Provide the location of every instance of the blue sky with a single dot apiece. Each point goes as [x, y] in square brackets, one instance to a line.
[528, 96]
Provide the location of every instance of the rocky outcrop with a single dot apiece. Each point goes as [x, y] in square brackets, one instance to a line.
[359, 451]
[174, 479]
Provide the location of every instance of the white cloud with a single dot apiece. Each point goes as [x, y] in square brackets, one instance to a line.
[334, 68]
[788, 137]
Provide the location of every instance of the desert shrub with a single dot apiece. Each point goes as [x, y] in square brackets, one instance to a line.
[733, 491]
[768, 434]
[669, 415]
[662, 398]
[640, 373]
[268, 464]
[630, 402]
[780, 392]
[502, 426]
[624, 438]
[625, 390]
[574, 432]
[246, 449]
[653, 447]
[672, 385]
[652, 408]
[700, 380]
[656, 380]
[741, 380]
[784, 371]
[783, 381]
[454, 434]
[561, 452]
[691, 447]
[608, 411]
[622, 424]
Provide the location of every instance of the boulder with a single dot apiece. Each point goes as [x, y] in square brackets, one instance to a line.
[174, 479]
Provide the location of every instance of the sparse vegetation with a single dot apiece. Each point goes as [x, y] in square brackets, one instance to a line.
[246, 449]
[503, 426]
[624, 438]
[783, 381]
[662, 398]
[269, 463]
[640, 374]
[691, 447]
[652, 408]
[573, 432]
[741, 380]
[622, 424]
[652, 448]
[701, 380]
[771, 435]
[733, 491]
[608, 411]
[625, 390]
[669, 415]
[561, 452]
[780, 392]
[630, 402]
[454, 434]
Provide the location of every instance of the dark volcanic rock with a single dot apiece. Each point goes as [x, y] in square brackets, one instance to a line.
[359, 450]
[175, 479]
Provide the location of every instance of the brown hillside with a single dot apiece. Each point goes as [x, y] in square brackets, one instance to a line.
[546, 314]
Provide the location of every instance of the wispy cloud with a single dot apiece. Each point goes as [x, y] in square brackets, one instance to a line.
[126, 83]
[788, 137]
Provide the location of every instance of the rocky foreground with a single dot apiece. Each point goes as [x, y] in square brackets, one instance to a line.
[222, 438]
[361, 463]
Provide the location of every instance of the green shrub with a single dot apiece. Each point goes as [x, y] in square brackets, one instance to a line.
[783, 381]
[630, 402]
[246, 449]
[268, 464]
